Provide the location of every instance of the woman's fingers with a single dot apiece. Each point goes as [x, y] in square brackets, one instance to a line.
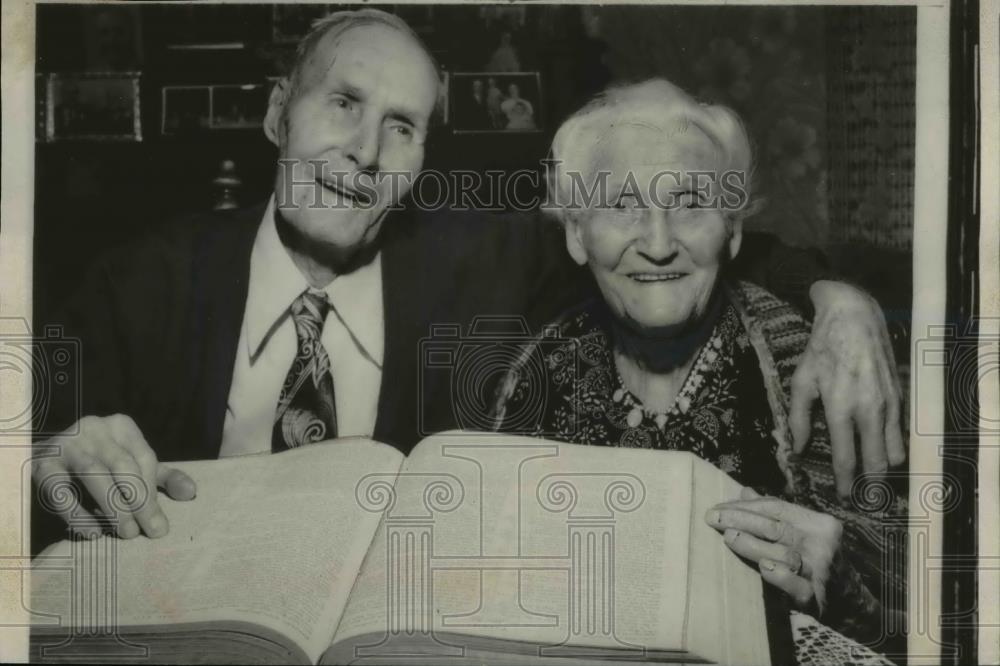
[756, 550]
[762, 526]
[771, 507]
[782, 577]
[792, 545]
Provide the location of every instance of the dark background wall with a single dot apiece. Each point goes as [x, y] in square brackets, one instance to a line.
[826, 92]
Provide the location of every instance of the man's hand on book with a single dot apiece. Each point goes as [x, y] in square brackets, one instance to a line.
[111, 460]
[849, 365]
[794, 548]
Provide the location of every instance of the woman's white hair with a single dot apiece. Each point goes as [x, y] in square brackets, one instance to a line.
[656, 103]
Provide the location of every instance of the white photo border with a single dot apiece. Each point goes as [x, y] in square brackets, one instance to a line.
[16, 250]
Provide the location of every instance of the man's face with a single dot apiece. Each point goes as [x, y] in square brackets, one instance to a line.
[360, 111]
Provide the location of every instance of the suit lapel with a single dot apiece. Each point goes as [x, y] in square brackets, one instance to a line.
[220, 277]
[403, 298]
[220, 270]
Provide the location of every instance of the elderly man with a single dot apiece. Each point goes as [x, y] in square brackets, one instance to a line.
[300, 320]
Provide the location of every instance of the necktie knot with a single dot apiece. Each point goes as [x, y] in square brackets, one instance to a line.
[309, 312]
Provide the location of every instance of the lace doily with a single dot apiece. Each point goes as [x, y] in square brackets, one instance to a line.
[818, 645]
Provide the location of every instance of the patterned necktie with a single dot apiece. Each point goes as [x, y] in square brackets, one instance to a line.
[306, 410]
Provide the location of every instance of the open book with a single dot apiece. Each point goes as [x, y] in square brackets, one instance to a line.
[477, 548]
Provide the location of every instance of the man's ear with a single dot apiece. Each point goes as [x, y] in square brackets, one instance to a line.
[275, 110]
[574, 237]
[736, 236]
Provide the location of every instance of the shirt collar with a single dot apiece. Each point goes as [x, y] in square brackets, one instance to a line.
[275, 282]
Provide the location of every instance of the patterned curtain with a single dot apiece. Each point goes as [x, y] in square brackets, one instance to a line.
[827, 94]
[871, 125]
[766, 63]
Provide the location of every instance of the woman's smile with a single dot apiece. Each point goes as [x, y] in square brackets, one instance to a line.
[656, 277]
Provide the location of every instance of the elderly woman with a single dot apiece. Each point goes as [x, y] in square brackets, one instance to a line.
[652, 189]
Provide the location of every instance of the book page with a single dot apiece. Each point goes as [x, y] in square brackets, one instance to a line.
[746, 637]
[707, 572]
[515, 538]
[723, 581]
[270, 540]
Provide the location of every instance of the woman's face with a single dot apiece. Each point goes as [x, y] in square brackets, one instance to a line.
[656, 248]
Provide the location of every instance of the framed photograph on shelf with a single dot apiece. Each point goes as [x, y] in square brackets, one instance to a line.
[186, 109]
[239, 106]
[193, 109]
[495, 102]
[100, 106]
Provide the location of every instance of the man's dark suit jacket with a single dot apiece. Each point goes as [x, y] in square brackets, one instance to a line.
[159, 323]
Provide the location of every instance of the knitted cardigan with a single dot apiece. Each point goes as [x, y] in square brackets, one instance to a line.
[868, 599]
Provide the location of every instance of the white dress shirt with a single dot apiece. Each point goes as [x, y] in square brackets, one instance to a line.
[353, 335]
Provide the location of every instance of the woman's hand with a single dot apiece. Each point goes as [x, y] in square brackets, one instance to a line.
[794, 548]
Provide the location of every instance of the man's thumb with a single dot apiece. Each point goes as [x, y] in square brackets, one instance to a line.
[177, 484]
